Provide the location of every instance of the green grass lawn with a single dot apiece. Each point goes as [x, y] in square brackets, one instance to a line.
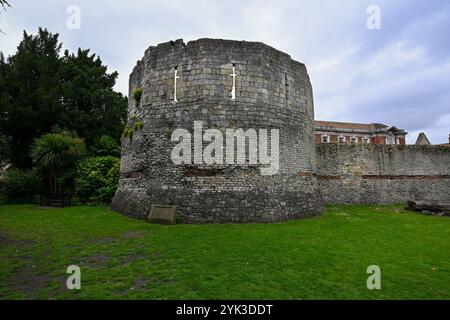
[320, 258]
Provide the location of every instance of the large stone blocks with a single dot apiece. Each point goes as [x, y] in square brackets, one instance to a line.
[272, 92]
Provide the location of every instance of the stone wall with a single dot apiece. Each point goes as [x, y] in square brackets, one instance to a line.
[383, 174]
[272, 92]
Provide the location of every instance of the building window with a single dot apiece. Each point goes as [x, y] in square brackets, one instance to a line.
[175, 78]
[325, 139]
[366, 140]
[341, 139]
[353, 140]
[390, 139]
[233, 89]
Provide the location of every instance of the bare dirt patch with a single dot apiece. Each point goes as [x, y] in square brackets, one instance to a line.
[7, 240]
[139, 283]
[102, 240]
[28, 281]
[133, 257]
[134, 234]
[94, 261]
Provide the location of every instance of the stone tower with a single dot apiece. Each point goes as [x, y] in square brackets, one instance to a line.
[219, 84]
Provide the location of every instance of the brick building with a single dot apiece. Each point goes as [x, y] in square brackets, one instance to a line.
[358, 133]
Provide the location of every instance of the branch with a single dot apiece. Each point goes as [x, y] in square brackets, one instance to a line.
[4, 4]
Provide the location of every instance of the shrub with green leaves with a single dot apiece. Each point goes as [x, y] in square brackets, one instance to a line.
[107, 191]
[128, 133]
[138, 125]
[21, 186]
[137, 95]
[97, 178]
[107, 146]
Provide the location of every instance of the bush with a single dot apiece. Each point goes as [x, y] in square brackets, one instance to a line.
[97, 178]
[137, 95]
[138, 125]
[107, 146]
[106, 193]
[128, 133]
[21, 186]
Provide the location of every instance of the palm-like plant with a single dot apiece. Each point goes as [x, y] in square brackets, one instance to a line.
[54, 153]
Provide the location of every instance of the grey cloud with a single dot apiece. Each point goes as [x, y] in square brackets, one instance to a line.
[398, 75]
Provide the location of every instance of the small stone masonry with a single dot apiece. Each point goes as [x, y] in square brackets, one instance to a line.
[383, 174]
[272, 91]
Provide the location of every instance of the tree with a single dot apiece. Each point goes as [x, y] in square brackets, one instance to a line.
[4, 141]
[39, 89]
[30, 88]
[93, 108]
[4, 148]
[55, 153]
[107, 146]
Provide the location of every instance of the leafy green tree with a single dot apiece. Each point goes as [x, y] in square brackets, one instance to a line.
[30, 88]
[93, 108]
[54, 154]
[39, 89]
[107, 146]
[4, 148]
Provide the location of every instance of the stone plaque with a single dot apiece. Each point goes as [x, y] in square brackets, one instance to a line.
[162, 214]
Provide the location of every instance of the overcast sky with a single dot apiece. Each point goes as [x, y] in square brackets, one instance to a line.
[398, 75]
